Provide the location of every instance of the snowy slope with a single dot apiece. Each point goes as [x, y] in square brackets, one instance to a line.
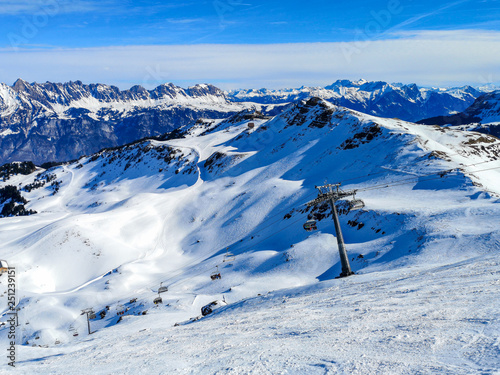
[434, 320]
[425, 250]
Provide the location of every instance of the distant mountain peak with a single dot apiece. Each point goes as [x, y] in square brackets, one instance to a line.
[34, 117]
[60, 121]
[379, 98]
[21, 85]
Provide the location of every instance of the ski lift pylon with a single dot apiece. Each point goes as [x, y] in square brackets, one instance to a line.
[310, 225]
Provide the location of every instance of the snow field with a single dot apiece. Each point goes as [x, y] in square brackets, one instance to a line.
[425, 249]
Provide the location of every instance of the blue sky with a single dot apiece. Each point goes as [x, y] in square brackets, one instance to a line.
[44, 39]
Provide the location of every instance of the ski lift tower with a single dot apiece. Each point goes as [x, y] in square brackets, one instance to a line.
[331, 193]
[90, 315]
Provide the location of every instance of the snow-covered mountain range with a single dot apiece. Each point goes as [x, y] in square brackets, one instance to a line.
[482, 116]
[485, 109]
[228, 196]
[57, 122]
[407, 102]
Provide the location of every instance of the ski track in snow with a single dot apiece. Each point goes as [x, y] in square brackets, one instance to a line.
[422, 320]
[426, 253]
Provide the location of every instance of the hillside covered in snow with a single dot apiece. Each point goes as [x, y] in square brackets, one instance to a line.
[47, 122]
[229, 197]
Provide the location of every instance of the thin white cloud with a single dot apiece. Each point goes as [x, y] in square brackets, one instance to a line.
[16, 7]
[29, 7]
[453, 35]
[419, 17]
[426, 57]
[185, 20]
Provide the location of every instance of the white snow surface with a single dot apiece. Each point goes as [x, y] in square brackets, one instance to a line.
[425, 250]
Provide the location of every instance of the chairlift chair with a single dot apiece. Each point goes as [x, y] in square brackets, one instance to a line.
[356, 204]
[162, 289]
[216, 275]
[120, 310]
[73, 331]
[310, 225]
[4, 266]
[229, 257]
[157, 300]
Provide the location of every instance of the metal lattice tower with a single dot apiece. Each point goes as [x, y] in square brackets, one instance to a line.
[88, 312]
[331, 193]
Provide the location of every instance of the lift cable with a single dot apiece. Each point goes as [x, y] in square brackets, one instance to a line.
[411, 180]
[375, 187]
[400, 182]
[378, 173]
[203, 271]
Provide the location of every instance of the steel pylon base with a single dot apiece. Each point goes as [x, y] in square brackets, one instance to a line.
[345, 274]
